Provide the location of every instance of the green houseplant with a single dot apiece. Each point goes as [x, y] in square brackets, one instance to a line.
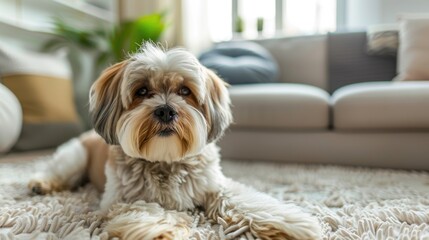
[260, 25]
[112, 44]
[91, 51]
[128, 36]
[239, 25]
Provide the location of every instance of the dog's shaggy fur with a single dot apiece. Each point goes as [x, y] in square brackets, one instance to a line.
[157, 117]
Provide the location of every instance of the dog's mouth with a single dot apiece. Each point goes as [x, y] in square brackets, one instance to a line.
[166, 132]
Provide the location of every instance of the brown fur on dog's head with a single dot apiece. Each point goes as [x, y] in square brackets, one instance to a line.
[130, 98]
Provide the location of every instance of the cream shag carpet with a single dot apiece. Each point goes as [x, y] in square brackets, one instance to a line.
[351, 203]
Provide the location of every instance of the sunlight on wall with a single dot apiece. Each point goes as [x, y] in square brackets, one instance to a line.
[220, 20]
[309, 17]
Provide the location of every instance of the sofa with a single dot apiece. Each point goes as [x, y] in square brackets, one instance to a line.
[333, 104]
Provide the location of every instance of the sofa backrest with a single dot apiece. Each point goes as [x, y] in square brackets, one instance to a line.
[329, 61]
[301, 59]
[349, 62]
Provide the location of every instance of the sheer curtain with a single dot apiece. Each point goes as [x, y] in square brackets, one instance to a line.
[195, 32]
[187, 20]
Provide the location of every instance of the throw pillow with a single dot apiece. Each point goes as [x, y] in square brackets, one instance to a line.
[10, 119]
[42, 84]
[383, 40]
[241, 63]
[413, 55]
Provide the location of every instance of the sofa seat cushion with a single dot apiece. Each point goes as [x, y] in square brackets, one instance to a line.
[382, 105]
[280, 106]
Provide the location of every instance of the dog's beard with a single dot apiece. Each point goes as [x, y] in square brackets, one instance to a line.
[142, 136]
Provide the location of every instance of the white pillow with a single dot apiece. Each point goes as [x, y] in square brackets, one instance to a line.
[413, 55]
[10, 119]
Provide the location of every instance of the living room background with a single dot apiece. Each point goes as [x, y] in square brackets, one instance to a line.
[329, 98]
[214, 21]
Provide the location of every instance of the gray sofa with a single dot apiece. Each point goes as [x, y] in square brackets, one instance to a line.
[335, 104]
[319, 112]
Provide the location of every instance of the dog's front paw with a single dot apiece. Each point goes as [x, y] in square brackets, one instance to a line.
[165, 236]
[234, 229]
[265, 227]
[147, 221]
[240, 227]
[130, 228]
[245, 213]
[41, 187]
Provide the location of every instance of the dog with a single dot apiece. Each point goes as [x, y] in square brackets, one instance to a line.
[157, 117]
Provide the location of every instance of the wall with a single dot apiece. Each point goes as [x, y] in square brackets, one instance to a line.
[362, 13]
[392, 8]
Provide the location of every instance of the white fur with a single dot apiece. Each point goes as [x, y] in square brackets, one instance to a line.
[126, 134]
[71, 158]
[199, 131]
[147, 198]
[136, 221]
[180, 186]
[196, 181]
[156, 61]
[161, 148]
[255, 209]
[110, 196]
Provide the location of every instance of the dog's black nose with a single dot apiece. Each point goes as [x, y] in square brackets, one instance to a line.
[165, 113]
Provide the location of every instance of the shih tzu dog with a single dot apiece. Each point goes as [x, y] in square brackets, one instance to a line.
[157, 116]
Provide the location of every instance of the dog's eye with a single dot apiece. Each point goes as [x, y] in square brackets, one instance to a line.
[142, 92]
[184, 91]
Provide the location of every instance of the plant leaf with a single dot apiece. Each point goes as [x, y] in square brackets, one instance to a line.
[148, 27]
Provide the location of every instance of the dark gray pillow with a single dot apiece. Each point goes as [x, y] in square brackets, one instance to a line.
[241, 63]
[348, 61]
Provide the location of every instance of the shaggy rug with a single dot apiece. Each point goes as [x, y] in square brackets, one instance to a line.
[351, 203]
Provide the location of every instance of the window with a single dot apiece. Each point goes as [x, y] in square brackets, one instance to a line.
[270, 18]
[220, 19]
[256, 17]
[309, 17]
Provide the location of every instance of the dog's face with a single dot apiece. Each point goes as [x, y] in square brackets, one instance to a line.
[160, 105]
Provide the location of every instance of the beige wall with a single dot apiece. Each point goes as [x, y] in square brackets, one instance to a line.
[362, 13]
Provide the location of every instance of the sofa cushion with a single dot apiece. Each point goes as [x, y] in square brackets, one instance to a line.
[42, 83]
[382, 105]
[282, 105]
[301, 59]
[241, 63]
[413, 55]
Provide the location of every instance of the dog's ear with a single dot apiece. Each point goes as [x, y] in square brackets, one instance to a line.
[105, 102]
[217, 105]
